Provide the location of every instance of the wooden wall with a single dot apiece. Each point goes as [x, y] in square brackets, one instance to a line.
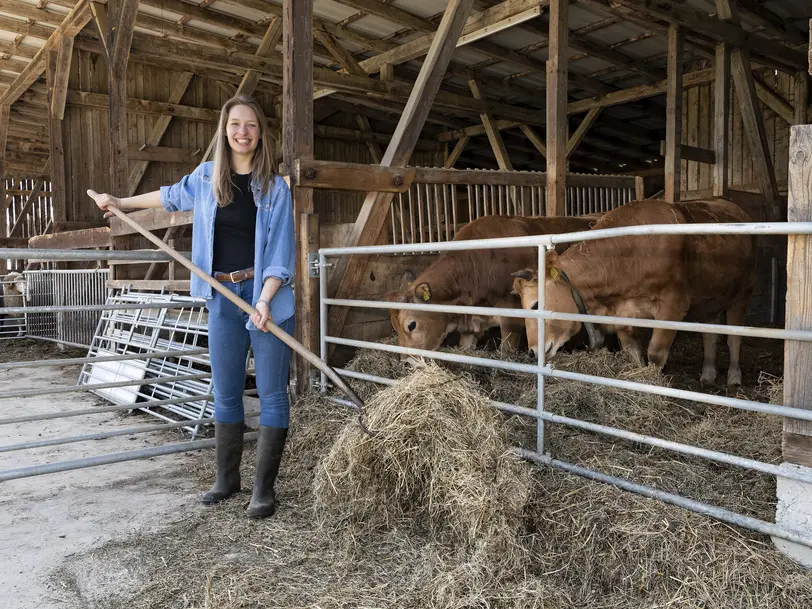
[697, 126]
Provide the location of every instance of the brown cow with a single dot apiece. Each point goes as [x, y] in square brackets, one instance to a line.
[478, 277]
[667, 277]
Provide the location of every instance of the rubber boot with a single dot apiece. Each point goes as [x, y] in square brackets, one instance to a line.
[228, 454]
[270, 445]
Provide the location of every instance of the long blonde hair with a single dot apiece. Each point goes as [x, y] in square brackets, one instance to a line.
[263, 166]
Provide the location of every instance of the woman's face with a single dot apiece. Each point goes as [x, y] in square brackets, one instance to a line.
[242, 129]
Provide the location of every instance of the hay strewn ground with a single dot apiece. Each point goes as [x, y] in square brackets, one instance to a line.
[357, 528]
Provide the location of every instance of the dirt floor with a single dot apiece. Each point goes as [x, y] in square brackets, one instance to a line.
[133, 536]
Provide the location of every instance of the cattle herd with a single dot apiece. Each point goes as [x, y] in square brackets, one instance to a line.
[702, 278]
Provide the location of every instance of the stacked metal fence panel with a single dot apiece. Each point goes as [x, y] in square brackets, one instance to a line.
[137, 331]
[71, 288]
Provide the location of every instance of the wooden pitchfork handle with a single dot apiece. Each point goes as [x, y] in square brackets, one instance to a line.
[272, 327]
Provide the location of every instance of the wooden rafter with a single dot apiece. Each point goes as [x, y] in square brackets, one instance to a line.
[494, 136]
[456, 152]
[583, 129]
[374, 212]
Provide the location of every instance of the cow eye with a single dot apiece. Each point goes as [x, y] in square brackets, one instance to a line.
[412, 325]
[535, 306]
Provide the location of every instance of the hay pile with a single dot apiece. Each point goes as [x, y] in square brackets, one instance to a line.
[439, 461]
[434, 512]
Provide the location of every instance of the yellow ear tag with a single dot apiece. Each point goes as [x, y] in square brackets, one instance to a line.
[554, 273]
[426, 295]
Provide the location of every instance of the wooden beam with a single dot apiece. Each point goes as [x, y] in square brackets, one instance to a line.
[266, 47]
[5, 111]
[18, 223]
[122, 26]
[752, 117]
[139, 168]
[494, 136]
[801, 87]
[456, 152]
[721, 120]
[351, 176]
[297, 143]
[673, 116]
[557, 126]
[774, 102]
[582, 130]
[70, 26]
[152, 220]
[75, 239]
[59, 95]
[163, 154]
[99, 12]
[535, 139]
[143, 106]
[797, 437]
[375, 209]
[56, 144]
[692, 153]
[11, 242]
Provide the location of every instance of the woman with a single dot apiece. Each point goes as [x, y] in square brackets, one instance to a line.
[243, 224]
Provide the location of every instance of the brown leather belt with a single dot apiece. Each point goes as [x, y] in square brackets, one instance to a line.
[235, 276]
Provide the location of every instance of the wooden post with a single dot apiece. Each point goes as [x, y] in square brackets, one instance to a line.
[55, 143]
[798, 355]
[721, 120]
[639, 188]
[297, 141]
[4, 116]
[801, 98]
[673, 116]
[375, 210]
[557, 126]
[121, 20]
[794, 509]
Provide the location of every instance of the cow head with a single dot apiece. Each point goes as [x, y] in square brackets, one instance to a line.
[15, 282]
[419, 329]
[558, 297]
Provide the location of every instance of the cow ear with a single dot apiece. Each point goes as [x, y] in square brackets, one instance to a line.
[523, 274]
[422, 292]
[518, 286]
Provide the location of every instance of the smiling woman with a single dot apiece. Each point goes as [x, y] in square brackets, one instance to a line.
[243, 225]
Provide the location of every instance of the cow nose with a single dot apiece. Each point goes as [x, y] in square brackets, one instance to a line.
[532, 353]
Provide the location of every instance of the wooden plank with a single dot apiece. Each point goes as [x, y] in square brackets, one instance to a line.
[155, 285]
[139, 168]
[494, 136]
[673, 116]
[26, 208]
[165, 154]
[143, 106]
[150, 219]
[774, 102]
[76, 239]
[797, 436]
[456, 152]
[13, 242]
[692, 153]
[721, 120]
[583, 129]
[557, 125]
[59, 94]
[352, 176]
[375, 209]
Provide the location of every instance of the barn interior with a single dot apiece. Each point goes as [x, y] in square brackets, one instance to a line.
[398, 122]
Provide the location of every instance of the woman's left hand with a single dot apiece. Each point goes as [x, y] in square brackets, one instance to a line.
[262, 315]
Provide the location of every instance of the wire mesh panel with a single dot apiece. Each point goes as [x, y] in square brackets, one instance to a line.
[74, 288]
[138, 331]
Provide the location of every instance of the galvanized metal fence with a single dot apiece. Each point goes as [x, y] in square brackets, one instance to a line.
[543, 371]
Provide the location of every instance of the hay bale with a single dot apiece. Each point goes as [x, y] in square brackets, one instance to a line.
[440, 461]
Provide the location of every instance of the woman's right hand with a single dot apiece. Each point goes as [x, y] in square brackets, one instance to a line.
[105, 201]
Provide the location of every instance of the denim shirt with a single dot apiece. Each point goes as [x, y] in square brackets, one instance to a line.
[275, 242]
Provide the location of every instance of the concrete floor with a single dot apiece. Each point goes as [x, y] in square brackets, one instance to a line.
[47, 519]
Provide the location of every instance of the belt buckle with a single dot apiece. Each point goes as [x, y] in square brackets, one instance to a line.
[231, 276]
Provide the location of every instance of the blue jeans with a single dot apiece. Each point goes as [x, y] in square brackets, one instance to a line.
[229, 340]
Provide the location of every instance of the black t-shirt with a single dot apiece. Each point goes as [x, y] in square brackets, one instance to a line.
[234, 228]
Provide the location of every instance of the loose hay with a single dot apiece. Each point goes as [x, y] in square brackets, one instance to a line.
[440, 460]
[398, 529]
